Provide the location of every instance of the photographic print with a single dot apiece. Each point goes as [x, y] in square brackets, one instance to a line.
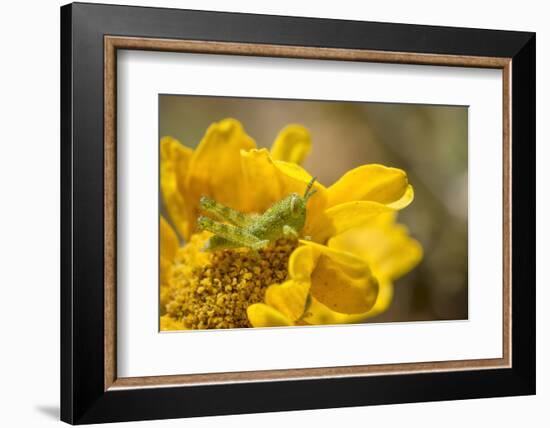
[301, 212]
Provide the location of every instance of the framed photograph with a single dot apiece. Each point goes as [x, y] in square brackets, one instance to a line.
[265, 213]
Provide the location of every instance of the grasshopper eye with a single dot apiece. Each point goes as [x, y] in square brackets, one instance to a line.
[294, 205]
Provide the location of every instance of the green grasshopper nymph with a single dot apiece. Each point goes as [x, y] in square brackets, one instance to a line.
[233, 229]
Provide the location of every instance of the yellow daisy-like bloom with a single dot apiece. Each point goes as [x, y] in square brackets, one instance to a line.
[342, 268]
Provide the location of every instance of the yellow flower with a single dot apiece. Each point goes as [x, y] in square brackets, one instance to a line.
[342, 272]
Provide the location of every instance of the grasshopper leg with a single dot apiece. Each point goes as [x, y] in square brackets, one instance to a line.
[232, 233]
[223, 213]
[218, 243]
[289, 231]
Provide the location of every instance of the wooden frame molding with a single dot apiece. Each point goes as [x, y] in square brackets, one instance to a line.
[113, 43]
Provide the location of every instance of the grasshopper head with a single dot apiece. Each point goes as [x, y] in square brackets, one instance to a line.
[297, 206]
[298, 203]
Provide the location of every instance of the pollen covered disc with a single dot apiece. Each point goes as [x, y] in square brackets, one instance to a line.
[214, 289]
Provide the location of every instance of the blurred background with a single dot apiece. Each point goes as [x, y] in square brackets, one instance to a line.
[429, 142]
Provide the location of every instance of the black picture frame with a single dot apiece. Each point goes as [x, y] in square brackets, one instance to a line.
[83, 396]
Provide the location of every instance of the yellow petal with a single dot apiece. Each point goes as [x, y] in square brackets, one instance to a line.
[302, 263]
[167, 323]
[168, 247]
[174, 164]
[290, 298]
[168, 240]
[215, 166]
[383, 220]
[292, 144]
[374, 182]
[346, 216]
[342, 281]
[294, 179]
[267, 181]
[319, 314]
[165, 269]
[261, 180]
[296, 176]
[262, 315]
[405, 200]
[384, 299]
[388, 248]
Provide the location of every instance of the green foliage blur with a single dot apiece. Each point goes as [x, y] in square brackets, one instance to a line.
[429, 142]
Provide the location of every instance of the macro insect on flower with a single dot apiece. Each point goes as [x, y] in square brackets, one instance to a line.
[274, 257]
[284, 219]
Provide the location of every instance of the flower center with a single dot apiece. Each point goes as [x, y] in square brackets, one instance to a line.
[214, 289]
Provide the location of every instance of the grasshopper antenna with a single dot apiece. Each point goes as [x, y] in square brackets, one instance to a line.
[307, 193]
